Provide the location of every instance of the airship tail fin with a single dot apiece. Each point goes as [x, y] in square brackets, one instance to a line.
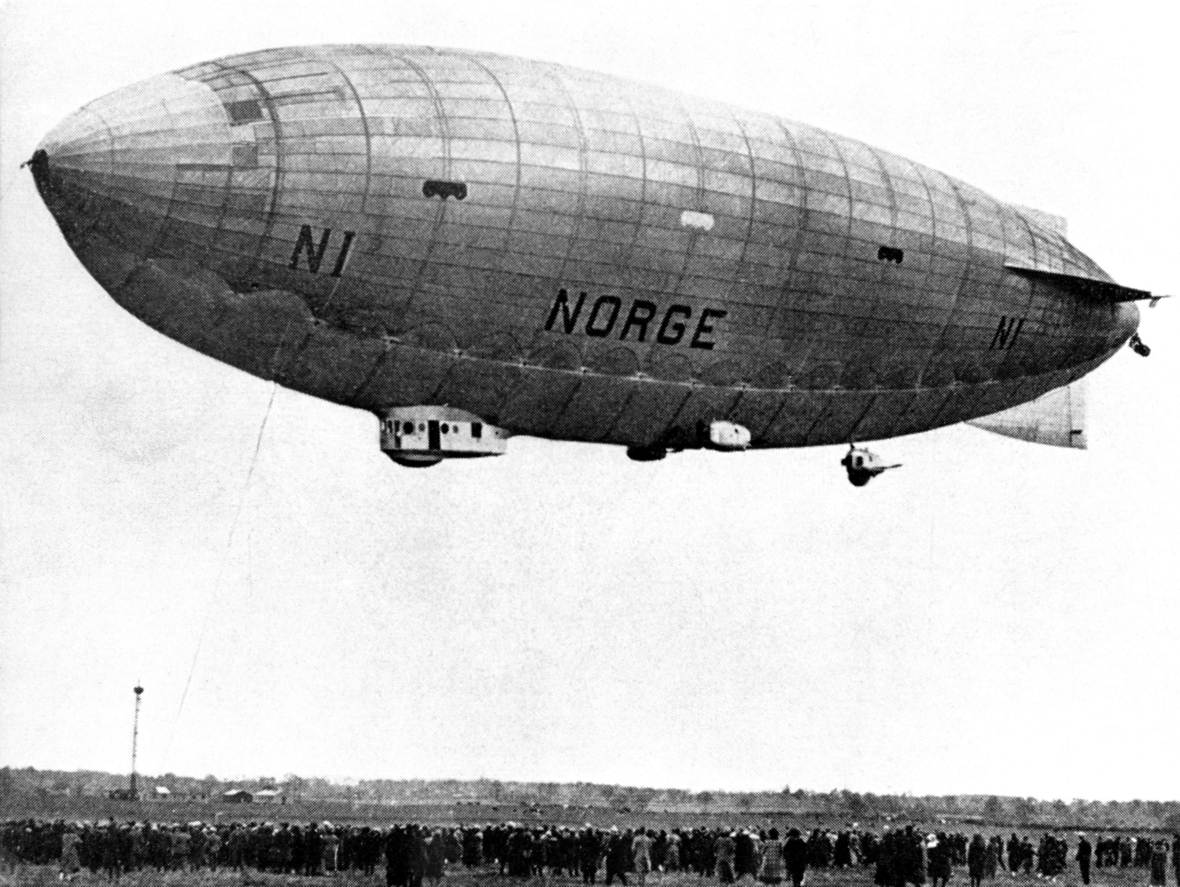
[1083, 287]
[1056, 419]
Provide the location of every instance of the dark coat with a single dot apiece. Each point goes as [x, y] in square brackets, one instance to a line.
[977, 858]
[795, 856]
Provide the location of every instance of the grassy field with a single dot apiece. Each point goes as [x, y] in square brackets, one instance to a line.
[43, 876]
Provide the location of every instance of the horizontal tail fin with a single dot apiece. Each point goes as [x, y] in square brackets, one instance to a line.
[1086, 287]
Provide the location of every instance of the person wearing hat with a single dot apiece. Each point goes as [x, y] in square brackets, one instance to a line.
[641, 855]
[724, 851]
[330, 849]
[938, 859]
[744, 862]
[616, 856]
[795, 857]
[1084, 853]
[976, 860]
[71, 864]
[589, 853]
[1159, 863]
[770, 870]
[672, 852]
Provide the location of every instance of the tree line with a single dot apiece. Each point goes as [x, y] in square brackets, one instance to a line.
[837, 803]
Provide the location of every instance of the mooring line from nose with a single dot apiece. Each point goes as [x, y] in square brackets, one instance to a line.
[13, 179]
[216, 590]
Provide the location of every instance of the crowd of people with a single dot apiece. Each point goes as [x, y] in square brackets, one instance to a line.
[413, 854]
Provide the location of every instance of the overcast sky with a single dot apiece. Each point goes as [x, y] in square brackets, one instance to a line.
[993, 617]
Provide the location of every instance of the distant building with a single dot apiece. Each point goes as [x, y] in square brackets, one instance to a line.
[267, 796]
[237, 796]
[162, 792]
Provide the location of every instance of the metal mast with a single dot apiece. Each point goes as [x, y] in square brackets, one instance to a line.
[134, 741]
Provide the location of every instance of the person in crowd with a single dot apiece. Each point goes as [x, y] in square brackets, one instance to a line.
[1159, 863]
[70, 863]
[743, 854]
[618, 856]
[795, 857]
[589, 852]
[434, 844]
[725, 850]
[641, 847]
[331, 851]
[976, 860]
[770, 870]
[672, 852]
[938, 859]
[1083, 854]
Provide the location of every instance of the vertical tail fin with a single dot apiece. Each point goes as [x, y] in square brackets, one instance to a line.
[1056, 419]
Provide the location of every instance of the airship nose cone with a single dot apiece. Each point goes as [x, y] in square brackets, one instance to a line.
[156, 122]
[125, 149]
[80, 141]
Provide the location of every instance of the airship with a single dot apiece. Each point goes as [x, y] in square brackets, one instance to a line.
[473, 246]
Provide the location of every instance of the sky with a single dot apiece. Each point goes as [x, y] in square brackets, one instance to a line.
[993, 617]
